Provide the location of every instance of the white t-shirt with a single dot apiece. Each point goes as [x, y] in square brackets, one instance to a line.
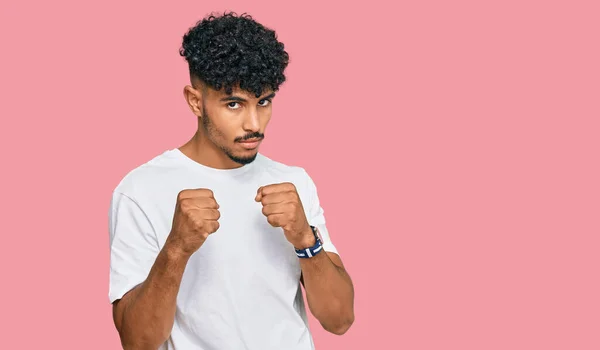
[241, 289]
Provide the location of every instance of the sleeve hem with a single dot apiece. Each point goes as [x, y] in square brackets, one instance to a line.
[329, 247]
[116, 293]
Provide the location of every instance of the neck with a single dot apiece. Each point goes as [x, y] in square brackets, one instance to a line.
[200, 149]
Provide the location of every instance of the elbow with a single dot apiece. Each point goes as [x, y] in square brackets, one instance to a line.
[144, 342]
[342, 325]
[130, 346]
[134, 345]
[139, 346]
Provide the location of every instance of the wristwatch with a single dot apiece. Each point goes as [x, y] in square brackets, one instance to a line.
[309, 252]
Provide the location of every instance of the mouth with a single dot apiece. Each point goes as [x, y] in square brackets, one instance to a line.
[250, 143]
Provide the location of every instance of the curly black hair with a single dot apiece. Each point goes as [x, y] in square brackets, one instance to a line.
[227, 50]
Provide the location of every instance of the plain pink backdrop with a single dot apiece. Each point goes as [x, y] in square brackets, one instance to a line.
[455, 146]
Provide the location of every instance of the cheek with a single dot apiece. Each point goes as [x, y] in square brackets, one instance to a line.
[213, 130]
[230, 128]
[265, 117]
[222, 126]
[223, 134]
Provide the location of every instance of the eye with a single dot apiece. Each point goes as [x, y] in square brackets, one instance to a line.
[233, 105]
[264, 103]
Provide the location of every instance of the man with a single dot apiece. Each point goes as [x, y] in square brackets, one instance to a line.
[210, 242]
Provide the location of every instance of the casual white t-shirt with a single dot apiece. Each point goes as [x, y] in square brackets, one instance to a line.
[241, 289]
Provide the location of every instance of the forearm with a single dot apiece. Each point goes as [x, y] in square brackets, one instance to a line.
[148, 313]
[329, 292]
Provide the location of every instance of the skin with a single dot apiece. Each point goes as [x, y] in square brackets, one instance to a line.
[222, 121]
[144, 316]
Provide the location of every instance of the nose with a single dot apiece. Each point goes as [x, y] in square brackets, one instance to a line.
[252, 121]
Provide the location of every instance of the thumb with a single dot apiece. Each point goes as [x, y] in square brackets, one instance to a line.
[258, 197]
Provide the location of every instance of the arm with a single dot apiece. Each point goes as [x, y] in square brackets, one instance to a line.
[329, 291]
[144, 316]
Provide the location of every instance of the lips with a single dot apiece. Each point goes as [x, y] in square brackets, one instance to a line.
[250, 143]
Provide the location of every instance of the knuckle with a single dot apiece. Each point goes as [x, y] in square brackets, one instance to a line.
[185, 205]
[181, 195]
[198, 223]
[207, 192]
[210, 228]
[273, 220]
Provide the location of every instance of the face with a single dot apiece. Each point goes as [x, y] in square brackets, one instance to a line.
[235, 124]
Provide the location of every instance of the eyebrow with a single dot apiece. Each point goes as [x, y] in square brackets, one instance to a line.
[239, 99]
[269, 96]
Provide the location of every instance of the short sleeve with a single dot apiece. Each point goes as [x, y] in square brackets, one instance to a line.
[316, 215]
[133, 245]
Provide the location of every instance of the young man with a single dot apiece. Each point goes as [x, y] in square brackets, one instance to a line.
[210, 242]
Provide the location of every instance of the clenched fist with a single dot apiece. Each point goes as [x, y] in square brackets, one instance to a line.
[283, 208]
[196, 216]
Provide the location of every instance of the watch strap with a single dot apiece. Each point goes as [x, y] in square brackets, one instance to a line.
[309, 252]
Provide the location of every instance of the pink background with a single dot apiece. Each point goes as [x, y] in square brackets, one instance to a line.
[455, 146]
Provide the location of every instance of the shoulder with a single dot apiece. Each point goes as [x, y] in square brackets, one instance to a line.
[145, 176]
[283, 171]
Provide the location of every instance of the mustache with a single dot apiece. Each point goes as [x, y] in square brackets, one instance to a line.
[254, 135]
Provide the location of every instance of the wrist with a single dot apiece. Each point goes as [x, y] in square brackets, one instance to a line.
[306, 240]
[310, 247]
[175, 251]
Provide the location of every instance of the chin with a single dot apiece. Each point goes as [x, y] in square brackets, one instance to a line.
[243, 159]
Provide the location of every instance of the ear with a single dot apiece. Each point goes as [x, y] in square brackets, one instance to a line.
[193, 97]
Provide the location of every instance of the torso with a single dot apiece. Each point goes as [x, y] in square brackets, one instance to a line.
[241, 289]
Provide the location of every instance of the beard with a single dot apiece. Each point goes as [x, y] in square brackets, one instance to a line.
[212, 131]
